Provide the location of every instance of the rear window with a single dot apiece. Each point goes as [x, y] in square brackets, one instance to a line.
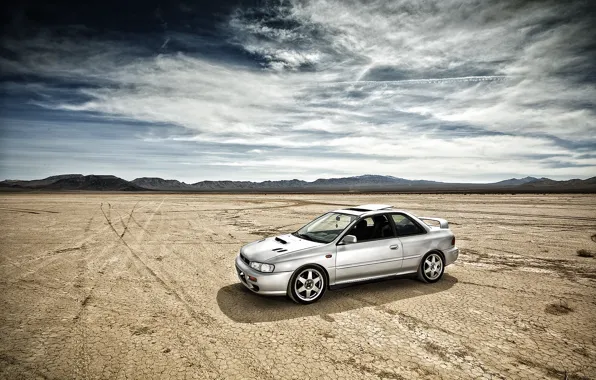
[432, 223]
[404, 226]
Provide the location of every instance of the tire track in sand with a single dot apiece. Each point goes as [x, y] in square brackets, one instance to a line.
[199, 317]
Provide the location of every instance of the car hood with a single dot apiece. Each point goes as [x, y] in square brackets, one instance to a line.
[267, 249]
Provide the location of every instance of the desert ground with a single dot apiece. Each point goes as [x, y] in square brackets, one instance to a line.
[141, 286]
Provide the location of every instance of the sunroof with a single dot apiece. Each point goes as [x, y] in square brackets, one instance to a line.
[370, 207]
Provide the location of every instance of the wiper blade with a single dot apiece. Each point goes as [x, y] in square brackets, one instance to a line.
[310, 238]
[303, 236]
[319, 240]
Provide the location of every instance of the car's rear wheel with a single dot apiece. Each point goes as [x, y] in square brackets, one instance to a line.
[307, 285]
[431, 267]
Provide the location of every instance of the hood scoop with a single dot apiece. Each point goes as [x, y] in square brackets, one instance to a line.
[282, 241]
[271, 248]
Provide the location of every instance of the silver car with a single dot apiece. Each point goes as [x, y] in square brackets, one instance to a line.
[345, 246]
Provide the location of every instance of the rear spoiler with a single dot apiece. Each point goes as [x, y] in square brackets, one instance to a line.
[442, 222]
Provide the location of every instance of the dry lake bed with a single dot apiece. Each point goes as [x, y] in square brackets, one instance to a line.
[115, 286]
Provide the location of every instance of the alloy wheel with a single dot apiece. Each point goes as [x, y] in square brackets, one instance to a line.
[309, 284]
[433, 266]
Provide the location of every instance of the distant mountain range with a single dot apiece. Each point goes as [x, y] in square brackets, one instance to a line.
[74, 182]
[344, 182]
[363, 183]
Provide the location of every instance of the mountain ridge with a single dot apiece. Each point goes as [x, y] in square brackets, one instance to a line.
[516, 181]
[90, 182]
[353, 181]
[366, 182]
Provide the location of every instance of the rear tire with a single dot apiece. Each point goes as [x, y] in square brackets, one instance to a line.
[307, 285]
[432, 267]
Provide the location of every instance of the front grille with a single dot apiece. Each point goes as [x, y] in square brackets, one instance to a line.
[246, 261]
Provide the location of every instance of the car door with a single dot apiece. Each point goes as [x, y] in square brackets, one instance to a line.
[414, 239]
[376, 253]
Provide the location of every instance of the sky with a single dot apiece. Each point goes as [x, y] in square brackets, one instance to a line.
[458, 91]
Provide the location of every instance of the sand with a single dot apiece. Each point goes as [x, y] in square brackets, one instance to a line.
[107, 285]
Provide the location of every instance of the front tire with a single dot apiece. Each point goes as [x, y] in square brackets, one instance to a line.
[431, 267]
[307, 285]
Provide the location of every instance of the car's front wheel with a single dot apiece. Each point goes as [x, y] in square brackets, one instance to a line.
[307, 285]
[431, 267]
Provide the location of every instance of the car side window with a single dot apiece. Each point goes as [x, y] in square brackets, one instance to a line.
[372, 228]
[404, 226]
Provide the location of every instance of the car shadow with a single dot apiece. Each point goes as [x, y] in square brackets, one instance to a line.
[241, 305]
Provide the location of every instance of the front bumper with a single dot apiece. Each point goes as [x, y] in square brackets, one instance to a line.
[271, 284]
[451, 255]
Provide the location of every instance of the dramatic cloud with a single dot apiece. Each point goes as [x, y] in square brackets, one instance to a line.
[436, 90]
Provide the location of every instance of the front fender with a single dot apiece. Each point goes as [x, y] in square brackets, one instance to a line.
[318, 257]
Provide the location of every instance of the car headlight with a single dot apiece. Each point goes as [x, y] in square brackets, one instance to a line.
[261, 267]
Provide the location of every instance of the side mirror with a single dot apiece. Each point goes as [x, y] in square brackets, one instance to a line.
[348, 239]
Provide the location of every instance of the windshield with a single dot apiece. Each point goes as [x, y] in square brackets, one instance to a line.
[325, 228]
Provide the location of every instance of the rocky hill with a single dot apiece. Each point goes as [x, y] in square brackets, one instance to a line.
[75, 182]
[515, 181]
[154, 183]
[547, 183]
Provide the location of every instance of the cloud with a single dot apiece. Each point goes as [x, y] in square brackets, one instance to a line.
[393, 87]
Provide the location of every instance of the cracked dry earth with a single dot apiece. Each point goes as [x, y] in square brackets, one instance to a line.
[143, 286]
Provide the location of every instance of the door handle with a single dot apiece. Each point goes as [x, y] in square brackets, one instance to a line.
[394, 246]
